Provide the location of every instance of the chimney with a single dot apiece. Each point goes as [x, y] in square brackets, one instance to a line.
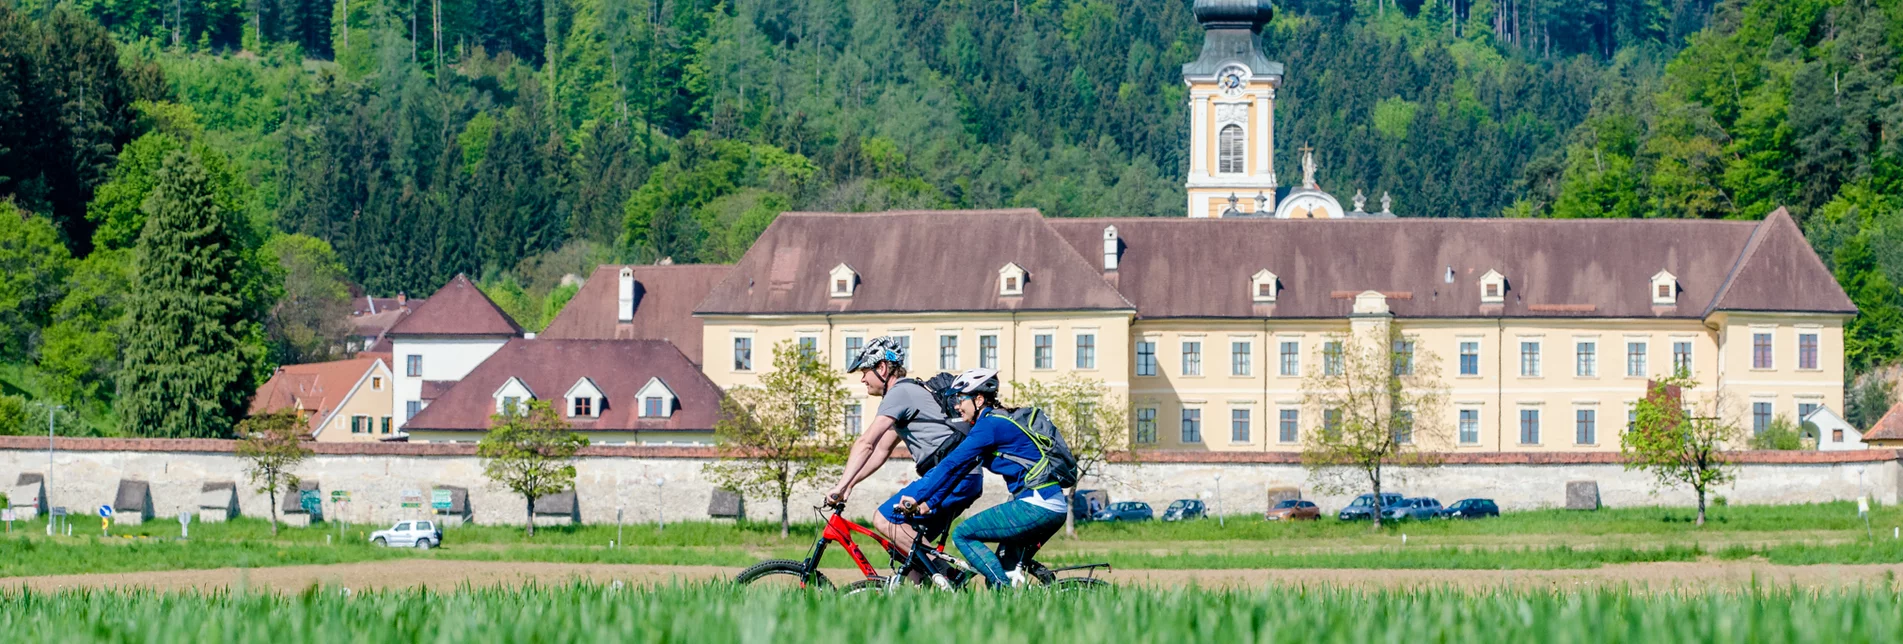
[1110, 242]
[401, 299]
[626, 300]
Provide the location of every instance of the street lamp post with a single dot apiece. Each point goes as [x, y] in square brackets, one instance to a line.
[658, 500]
[46, 482]
[1219, 520]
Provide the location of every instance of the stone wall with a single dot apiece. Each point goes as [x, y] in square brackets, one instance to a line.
[87, 472]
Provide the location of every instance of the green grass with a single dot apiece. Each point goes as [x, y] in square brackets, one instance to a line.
[720, 613]
[25, 557]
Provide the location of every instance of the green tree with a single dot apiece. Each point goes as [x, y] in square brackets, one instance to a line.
[1381, 402]
[272, 445]
[13, 416]
[1782, 434]
[311, 319]
[80, 353]
[1677, 445]
[785, 434]
[33, 269]
[198, 352]
[116, 206]
[1095, 423]
[530, 451]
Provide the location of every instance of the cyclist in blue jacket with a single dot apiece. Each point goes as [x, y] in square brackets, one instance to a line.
[1018, 526]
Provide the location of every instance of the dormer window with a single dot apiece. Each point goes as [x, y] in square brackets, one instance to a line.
[1262, 286]
[844, 281]
[585, 399]
[513, 396]
[1011, 279]
[656, 399]
[1664, 289]
[1493, 288]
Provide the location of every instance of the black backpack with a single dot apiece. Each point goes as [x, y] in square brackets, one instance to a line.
[940, 388]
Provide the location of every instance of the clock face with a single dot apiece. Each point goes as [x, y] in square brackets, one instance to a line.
[1232, 79]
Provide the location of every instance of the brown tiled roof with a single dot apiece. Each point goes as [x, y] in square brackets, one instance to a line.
[620, 368]
[910, 261]
[132, 496]
[458, 308]
[665, 297]
[1554, 268]
[433, 389]
[1889, 427]
[316, 389]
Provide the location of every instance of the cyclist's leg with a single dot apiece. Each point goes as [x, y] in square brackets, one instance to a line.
[888, 522]
[955, 504]
[1008, 521]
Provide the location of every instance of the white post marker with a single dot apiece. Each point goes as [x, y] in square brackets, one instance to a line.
[658, 512]
[1219, 520]
[7, 514]
[184, 524]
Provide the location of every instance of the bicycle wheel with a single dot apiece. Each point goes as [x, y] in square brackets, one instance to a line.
[781, 573]
[873, 586]
[1079, 584]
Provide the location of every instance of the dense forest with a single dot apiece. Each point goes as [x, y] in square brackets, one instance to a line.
[269, 157]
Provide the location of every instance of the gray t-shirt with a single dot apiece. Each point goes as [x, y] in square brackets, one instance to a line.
[917, 417]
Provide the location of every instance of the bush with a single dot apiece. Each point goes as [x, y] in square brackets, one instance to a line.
[1780, 435]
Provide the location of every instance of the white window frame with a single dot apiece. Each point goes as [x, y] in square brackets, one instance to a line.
[1084, 356]
[1586, 362]
[1242, 363]
[836, 275]
[1011, 279]
[1538, 368]
[1667, 280]
[1256, 282]
[1498, 282]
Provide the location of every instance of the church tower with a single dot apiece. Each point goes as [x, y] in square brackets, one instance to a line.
[1232, 113]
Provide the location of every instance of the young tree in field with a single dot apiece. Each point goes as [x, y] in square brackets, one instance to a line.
[271, 446]
[782, 435]
[1095, 423]
[530, 451]
[1678, 445]
[1381, 405]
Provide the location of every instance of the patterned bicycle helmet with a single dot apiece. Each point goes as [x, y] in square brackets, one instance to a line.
[884, 348]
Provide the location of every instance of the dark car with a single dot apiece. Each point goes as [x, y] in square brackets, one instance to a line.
[1471, 509]
[1182, 509]
[1416, 508]
[1363, 506]
[1085, 504]
[1294, 510]
[1126, 511]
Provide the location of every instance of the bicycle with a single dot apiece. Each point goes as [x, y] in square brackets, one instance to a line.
[927, 558]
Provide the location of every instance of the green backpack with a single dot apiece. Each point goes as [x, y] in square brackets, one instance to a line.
[1056, 465]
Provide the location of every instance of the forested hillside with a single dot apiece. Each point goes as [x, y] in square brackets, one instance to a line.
[390, 144]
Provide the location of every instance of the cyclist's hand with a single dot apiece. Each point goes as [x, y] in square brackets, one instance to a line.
[837, 496]
[907, 505]
[924, 509]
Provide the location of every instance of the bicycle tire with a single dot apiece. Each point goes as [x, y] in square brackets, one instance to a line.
[1079, 584]
[779, 567]
[871, 586]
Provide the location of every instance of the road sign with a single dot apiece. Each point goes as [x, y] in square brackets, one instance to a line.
[439, 500]
[105, 511]
[59, 511]
[412, 499]
[339, 496]
[6, 515]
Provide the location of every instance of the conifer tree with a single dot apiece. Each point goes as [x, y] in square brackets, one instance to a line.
[194, 340]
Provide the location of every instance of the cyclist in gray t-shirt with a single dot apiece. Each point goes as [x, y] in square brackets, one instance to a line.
[908, 412]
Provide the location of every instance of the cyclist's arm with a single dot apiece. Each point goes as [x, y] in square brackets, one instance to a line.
[960, 462]
[869, 452]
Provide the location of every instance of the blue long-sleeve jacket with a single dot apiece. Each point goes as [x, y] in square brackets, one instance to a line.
[991, 436]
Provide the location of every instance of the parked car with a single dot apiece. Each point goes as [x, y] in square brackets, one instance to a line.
[405, 534]
[1085, 504]
[1416, 508]
[1126, 511]
[1364, 507]
[1295, 510]
[1183, 509]
[1471, 509]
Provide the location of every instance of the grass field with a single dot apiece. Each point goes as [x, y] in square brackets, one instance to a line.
[720, 613]
[1539, 540]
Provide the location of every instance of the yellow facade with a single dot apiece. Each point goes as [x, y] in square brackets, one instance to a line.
[367, 405]
[1100, 339]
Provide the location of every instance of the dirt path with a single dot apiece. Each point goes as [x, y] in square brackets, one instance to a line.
[446, 574]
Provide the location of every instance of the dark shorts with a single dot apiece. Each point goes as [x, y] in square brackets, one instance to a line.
[955, 504]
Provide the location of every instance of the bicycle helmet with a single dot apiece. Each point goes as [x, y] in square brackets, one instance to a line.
[884, 348]
[976, 381]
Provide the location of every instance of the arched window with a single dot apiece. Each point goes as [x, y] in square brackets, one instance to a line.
[1229, 150]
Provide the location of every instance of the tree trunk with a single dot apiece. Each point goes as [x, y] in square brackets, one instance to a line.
[274, 510]
[531, 500]
[1701, 506]
[1377, 502]
[783, 521]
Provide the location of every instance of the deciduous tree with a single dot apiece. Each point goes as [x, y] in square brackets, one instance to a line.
[1679, 442]
[1095, 423]
[1382, 404]
[272, 445]
[530, 451]
[785, 434]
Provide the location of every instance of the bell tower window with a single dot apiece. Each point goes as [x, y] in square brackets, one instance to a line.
[1231, 147]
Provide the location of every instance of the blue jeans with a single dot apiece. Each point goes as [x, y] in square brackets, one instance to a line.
[1018, 528]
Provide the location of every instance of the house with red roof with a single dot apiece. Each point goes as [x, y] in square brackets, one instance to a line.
[442, 340]
[343, 400]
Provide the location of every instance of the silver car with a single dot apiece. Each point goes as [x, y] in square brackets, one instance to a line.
[405, 534]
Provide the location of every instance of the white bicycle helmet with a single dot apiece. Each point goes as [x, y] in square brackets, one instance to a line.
[976, 381]
[884, 348]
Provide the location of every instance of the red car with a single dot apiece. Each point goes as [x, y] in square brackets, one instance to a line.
[1295, 510]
